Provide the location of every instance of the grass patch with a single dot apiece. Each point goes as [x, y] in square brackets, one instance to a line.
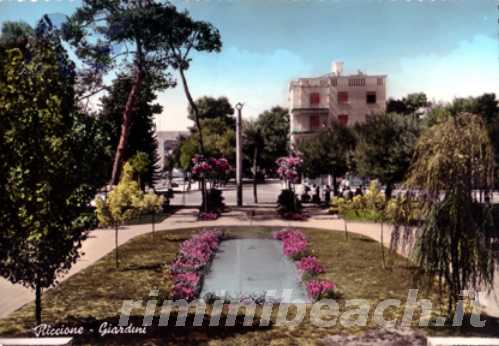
[96, 293]
[147, 218]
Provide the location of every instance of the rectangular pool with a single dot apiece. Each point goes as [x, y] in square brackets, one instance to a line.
[250, 268]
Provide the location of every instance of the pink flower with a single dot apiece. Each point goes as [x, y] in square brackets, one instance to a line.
[294, 242]
[182, 291]
[191, 279]
[193, 256]
[319, 288]
[310, 264]
[288, 168]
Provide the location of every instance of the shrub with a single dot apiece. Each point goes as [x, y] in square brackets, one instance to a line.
[320, 288]
[372, 206]
[288, 202]
[215, 201]
[310, 265]
[187, 269]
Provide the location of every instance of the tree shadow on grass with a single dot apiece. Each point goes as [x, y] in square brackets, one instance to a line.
[489, 330]
[153, 266]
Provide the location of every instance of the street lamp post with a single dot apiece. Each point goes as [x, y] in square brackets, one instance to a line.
[239, 156]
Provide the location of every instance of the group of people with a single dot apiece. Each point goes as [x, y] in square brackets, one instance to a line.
[346, 192]
[316, 197]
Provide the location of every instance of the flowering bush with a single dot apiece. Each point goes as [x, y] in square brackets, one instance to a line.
[193, 257]
[209, 168]
[295, 246]
[294, 243]
[320, 288]
[214, 171]
[288, 169]
[310, 264]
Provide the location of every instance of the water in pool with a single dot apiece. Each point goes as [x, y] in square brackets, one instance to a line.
[252, 267]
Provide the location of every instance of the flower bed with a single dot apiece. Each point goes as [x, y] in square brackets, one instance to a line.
[193, 258]
[295, 246]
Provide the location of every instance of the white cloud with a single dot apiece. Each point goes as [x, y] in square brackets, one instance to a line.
[469, 70]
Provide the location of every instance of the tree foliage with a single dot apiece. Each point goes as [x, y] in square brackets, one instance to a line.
[274, 129]
[407, 105]
[142, 130]
[48, 151]
[385, 145]
[218, 129]
[126, 35]
[453, 167]
[122, 204]
[327, 152]
[214, 108]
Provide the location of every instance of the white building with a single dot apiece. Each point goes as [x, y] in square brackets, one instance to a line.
[347, 99]
[167, 140]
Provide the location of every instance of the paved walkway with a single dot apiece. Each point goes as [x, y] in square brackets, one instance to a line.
[101, 242]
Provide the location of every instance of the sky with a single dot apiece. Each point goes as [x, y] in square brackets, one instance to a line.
[445, 48]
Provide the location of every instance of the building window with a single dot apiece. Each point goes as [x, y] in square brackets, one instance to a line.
[357, 82]
[371, 97]
[315, 122]
[343, 97]
[315, 98]
[343, 119]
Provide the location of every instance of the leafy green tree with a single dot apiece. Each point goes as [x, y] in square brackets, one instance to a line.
[48, 151]
[152, 204]
[110, 34]
[407, 105]
[182, 36]
[385, 145]
[254, 145]
[214, 108]
[16, 35]
[328, 152]
[453, 160]
[141, 165]
[274, 125]
[487, 108]
[218, 130]
[142, 137]
[122, 204]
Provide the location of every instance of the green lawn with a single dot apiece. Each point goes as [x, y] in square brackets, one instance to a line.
[96, 294]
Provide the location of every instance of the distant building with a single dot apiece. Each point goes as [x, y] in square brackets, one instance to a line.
[347, 99]
[167, 140]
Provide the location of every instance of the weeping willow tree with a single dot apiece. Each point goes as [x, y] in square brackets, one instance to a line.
[452, 178]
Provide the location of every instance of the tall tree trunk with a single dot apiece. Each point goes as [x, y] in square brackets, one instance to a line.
[153, 221]
[38, 302]
[195, 109]
[382, 246]
[346, 228]
[388, 191]
[200, 132]
[335, 184]
[116, 256]
[255, 166]
[125, 126]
